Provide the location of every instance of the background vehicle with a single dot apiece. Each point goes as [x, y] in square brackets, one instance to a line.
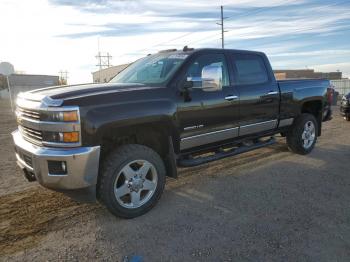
[345, 107]
[118, 141]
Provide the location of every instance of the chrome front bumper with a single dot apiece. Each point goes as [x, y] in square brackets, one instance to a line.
[82, 164]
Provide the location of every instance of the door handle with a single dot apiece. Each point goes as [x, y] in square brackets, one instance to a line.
[272, 93]
[230, 98]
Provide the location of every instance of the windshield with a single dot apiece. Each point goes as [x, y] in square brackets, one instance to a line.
[151, 70]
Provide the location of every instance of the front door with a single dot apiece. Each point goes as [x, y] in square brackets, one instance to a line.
[207, 116]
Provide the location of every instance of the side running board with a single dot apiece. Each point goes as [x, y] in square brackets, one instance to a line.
[189, 161]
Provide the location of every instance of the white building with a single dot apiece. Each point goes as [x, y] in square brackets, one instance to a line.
[22, 82]
[105, 75]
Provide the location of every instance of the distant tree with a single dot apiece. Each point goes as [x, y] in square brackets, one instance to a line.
[62, 81]
[3, 82]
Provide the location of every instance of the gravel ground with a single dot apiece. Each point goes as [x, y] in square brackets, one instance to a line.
[265, 205]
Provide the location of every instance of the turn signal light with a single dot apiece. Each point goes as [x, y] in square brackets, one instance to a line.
[70, 116]
[71, 137]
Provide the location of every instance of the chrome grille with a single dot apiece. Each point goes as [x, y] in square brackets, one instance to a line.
[29, 113]
[31, 134]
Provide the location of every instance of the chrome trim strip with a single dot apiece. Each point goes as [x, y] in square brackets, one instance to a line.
[23, 164]
[231, 97]
[286, 122]
[207, 138]
[49, 126]
[257, 127]
[272, 93]
[193, 127]
[54, 144]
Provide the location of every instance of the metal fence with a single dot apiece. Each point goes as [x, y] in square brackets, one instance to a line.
[341, 86]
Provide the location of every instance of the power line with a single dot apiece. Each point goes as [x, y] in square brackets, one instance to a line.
[305, 29]
[205, 38]
[261, 9]
[189, 33]
[161, 43]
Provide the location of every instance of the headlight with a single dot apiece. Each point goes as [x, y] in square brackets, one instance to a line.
[65, 116]
[61, 137]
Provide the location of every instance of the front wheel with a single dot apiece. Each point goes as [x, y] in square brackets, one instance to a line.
[132, 180]
[302, 137]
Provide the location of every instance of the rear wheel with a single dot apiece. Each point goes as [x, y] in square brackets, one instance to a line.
[132, 180]
[302, 137]
[347, 117]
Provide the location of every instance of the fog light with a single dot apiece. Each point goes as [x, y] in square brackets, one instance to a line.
[57, 167]
[71, 137]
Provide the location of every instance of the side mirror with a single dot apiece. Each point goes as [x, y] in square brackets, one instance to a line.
[212, 78]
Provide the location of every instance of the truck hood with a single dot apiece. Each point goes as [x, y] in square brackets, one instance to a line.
[73, 91]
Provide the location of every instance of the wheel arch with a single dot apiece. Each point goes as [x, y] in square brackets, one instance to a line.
[314, 107]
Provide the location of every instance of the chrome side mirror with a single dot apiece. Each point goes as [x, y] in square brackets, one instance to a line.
[211, 79]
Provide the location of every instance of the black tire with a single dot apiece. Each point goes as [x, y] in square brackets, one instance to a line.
[113, 165]
[294, 135]
[347, 117]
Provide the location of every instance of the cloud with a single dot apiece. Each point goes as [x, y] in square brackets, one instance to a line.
[344, 67]
[62, 34]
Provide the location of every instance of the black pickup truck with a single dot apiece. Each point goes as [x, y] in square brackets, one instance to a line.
[117, 142]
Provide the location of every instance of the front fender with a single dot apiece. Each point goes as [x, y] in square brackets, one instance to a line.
[131, 116]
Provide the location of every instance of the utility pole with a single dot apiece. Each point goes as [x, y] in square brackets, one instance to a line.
[222, 27]
[63, 79]
[103, 60]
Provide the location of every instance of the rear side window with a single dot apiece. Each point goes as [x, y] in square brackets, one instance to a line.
[249, 69]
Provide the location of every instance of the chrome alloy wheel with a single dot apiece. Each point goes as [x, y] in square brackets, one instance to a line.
[309, 134]
[135, 184]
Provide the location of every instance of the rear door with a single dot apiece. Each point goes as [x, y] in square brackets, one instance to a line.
[207, 116]
[258, 93]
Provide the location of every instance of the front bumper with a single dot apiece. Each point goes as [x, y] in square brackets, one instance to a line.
[82, 164]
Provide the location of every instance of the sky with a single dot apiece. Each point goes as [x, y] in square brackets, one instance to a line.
[47, 36]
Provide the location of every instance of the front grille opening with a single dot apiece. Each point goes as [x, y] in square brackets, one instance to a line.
[28, 160]
[29, 113]
[31, 134]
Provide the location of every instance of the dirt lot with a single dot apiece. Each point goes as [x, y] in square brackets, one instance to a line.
[266, 205]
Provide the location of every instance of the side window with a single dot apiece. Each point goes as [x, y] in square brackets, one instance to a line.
[195, 69]
[249, 70]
